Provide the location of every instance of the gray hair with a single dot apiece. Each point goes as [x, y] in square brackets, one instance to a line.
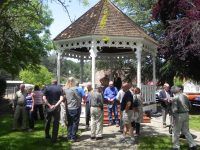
[175, 89]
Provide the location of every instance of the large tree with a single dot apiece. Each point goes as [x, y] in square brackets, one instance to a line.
[180, 45]
[24, 34]
[40, 77]
[141, 13]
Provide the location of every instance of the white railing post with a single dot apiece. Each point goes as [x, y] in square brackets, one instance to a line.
[93, 53]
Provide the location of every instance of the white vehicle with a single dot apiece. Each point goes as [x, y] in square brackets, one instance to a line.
[192, 91]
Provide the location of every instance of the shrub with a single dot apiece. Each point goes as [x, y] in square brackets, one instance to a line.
[2, 87]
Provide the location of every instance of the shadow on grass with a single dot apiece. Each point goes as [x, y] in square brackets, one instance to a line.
[195, 110]
[31, 143]
[35, 140]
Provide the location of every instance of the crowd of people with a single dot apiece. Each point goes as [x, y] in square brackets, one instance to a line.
[63, 106]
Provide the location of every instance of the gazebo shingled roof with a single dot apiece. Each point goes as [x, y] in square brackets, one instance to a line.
[120, 38]
[117, 24]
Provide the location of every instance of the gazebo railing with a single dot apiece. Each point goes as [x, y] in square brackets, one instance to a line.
[148, 93]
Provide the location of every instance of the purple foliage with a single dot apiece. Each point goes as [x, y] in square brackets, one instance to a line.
[182, 35]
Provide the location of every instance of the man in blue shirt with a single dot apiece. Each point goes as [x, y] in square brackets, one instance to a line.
[110, 94]
[81, 93]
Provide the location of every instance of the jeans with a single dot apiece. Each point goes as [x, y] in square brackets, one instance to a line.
[87, 107]
[73, 121]
[56, 117]
[38, 107]
[30, 118]
[113, 108]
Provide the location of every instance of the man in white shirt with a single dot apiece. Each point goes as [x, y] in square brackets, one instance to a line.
[119, 97]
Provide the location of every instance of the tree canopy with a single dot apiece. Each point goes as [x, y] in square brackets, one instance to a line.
[141, 13]
[40, 77]
[24, 34]
[180, 45]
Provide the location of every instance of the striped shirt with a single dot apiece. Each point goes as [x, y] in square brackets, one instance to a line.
[29, 100]
[38, 97]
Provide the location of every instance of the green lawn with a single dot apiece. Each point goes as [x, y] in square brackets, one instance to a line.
[19, 140]
[195, 122]
[165, 142]
[159, 143]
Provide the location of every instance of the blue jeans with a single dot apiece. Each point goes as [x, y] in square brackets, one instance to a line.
[113, 108]
[30, 118]
[87, 110]
[73, 121]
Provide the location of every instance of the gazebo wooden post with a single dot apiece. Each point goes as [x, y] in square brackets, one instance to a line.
[138, 56]
[154, 68]
[58, 66]
[111, 69]
[81, 69]
[93, 54]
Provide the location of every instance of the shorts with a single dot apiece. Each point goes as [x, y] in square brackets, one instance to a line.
[127, 116]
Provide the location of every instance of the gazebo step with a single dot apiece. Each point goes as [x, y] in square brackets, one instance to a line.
[146, 119]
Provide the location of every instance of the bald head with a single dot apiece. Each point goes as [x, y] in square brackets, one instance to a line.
[89, 86]
[166, 86]
[22, 87]
[111, 83]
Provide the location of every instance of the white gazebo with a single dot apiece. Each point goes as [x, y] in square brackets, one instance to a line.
[104, 32]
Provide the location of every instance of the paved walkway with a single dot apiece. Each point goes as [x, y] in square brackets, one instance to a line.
[112, 136]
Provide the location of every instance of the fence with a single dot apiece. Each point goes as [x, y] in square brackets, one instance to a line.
[148, 93]
[10, 92]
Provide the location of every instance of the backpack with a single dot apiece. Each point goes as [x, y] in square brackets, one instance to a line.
[135, 101]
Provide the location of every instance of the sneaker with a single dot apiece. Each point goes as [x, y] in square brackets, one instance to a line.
[193, 148]
[92, 137]
[24, 129]
[130, 141]
[122, 140]
[117, 125]
[30, 130]
[164, 125]
[14, 129]
[47, 137]
[110, 124]
[121, 131]
[99, 138]
[53, 141]
[72, 140]
[87, 127]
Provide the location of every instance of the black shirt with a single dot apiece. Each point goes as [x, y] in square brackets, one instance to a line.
[53, 93]
[127, 97]
[118, 83]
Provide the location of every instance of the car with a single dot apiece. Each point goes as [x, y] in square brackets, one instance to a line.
[192, 91]
[194, 98]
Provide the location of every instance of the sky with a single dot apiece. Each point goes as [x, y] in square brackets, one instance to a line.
[61, 19]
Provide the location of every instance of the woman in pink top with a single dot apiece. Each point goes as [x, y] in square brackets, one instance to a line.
[38, 103]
